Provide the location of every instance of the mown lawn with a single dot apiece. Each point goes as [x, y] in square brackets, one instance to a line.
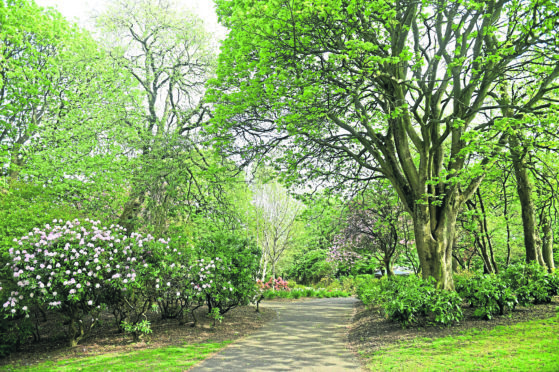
[177, 358]
[528, 346]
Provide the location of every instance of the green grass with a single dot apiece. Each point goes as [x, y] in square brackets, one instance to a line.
[529, 346]
[172, 358]
[305, 292]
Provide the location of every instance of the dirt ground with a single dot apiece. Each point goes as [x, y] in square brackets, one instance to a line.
[370, 330]
[236, 324]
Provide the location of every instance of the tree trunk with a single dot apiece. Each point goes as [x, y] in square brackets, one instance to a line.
[486, 233]
[264, 267]
[131, 212]
[532, 240]
[435, 247]
[506, 216]
[547, 246]
[388, 267]
[481, 238]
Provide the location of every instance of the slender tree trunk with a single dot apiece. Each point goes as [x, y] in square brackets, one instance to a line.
[547, 246]
[506, 215]
[480, 241]
[532, 240]
[486, 232]
[264, 266]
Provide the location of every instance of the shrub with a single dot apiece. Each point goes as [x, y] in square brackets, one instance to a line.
[306, 292]
[490, 294]
[531, 283]
[348, 284]
[230, 266]
[76, 268]
[372, 291]
[277, 284]
[407, 299]
[311, 267]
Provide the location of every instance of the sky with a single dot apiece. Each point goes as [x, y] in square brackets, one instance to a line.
[82, 11]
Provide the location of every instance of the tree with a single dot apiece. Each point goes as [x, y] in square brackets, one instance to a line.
[170, 56]
[407, 90]
[276, 215]
[57, 95]
[372, 226]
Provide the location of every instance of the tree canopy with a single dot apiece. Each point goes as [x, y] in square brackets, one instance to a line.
[423, 93]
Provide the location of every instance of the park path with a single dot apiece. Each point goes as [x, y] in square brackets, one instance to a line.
[305, 336]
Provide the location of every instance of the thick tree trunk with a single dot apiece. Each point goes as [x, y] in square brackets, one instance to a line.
[16, 164]
[532, 240]
[547, 246]
[131, 212]
[435, 247]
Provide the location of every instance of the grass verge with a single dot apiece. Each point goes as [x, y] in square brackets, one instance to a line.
[171, 358]
[528, 346]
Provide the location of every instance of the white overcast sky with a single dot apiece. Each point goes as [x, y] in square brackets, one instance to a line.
[82, 11]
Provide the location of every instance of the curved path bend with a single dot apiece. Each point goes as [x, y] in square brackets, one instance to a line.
[305, 336]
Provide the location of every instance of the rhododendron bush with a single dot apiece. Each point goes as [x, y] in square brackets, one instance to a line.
[79, 268]
[275, 284]
[231, 265]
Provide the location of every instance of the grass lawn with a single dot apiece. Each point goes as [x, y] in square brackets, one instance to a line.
[529, 346]
[170, 358]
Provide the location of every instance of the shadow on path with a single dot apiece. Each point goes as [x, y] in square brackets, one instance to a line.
[305, 336]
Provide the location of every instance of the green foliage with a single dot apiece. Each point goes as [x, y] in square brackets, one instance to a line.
[13, 332]
[372, 291]
[408, 299]
[238, 261]
[25, 206]
[490, 294]
[532, 283]
[78, 268]
[305, 292]
[310, 267]
[519, 284]
[215, 315]
[139, 329]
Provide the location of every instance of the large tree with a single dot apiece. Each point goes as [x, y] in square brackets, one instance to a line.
[372, 226]
[168, 52]
[57, 94]
[275, 224]
[410, 90]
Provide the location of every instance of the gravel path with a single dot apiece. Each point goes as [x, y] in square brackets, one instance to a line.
[305, 336]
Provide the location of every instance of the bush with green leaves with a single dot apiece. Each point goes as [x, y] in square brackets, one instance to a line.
[409, 299]
[372, 291]
[311, 266]
[14, 330]
[490, 294]
[77, 268]
[226, 270]
[496, 294]
[531, 283]
[166, 284]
